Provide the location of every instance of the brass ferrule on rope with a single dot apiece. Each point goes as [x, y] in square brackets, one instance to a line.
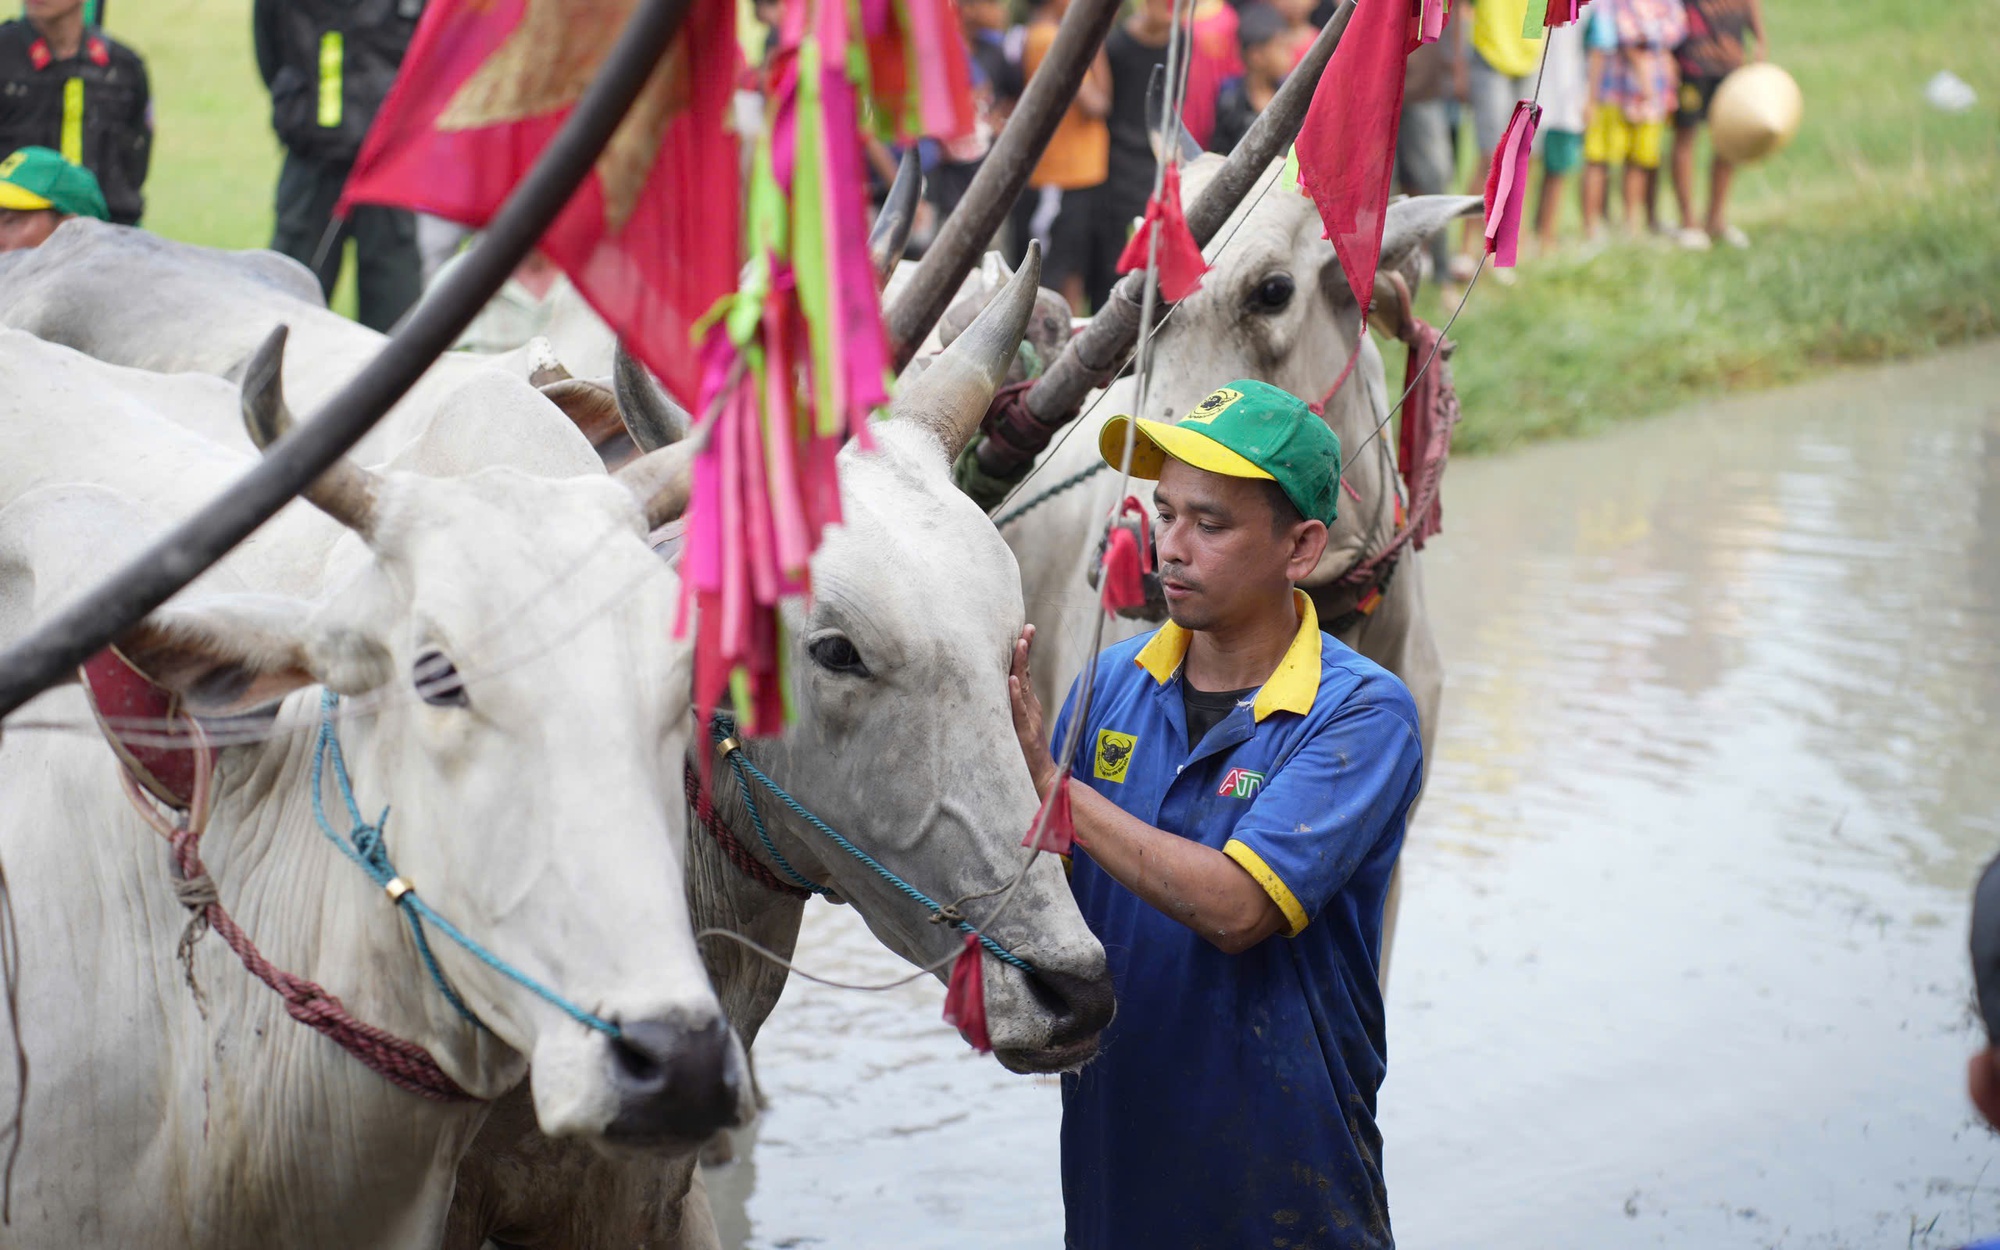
[396, 888]
[727, 747]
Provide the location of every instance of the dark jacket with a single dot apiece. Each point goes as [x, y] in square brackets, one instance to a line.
[328, 65]
[104, 124]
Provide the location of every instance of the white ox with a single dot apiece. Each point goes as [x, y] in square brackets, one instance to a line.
[515, 735]
[132, 298]
[902, 745]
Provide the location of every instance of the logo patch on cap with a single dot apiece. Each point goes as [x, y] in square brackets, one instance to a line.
[12, 163]
[1212, 407]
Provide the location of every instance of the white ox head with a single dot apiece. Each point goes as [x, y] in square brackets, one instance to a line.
[904, 741]
[512, 698]
[1276, 306]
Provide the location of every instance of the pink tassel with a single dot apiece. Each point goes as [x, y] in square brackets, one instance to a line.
[1181, 265]
[1054, 826]
[1507, 184]
[1563, 12]
[965, 997]
[1430, 20]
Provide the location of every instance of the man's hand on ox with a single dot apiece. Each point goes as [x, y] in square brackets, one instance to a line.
[1197, 885]
[1030, 725]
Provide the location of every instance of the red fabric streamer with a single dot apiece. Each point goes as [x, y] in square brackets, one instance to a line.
[1347, 146]
[965, 997]
[1055, 831]
[1430, 409]
[1507, 184]
[1563, 12]
[1124, 585]
[1181, 265]
[650, 237]
[1128, 557]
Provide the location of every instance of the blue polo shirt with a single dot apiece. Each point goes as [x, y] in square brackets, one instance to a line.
[1233, 1102]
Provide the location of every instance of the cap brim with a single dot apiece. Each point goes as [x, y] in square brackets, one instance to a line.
[20, 198]
[1154, 441]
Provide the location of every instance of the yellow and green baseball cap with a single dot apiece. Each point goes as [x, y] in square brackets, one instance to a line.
[1244, 429]
[36, 178]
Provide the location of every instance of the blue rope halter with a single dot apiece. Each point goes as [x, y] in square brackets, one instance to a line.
[723, 730]
[365, 846]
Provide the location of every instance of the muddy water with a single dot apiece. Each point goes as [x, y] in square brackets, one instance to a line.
[1682, 950]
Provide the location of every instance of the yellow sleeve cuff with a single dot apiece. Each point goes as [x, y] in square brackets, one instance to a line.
[1281, 894]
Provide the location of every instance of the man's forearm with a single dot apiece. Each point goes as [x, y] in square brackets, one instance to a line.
[1197, 885]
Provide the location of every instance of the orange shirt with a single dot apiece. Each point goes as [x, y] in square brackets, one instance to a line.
[1079, 154]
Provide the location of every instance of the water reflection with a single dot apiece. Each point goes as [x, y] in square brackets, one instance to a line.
[1681, 958]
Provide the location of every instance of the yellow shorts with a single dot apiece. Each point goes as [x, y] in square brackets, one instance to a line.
[1611, 140]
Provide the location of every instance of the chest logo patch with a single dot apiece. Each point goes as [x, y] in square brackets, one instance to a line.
[1212, 407]
[1240, 783]
[1114, 755]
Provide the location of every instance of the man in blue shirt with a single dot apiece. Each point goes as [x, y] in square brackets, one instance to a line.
[1244, 784]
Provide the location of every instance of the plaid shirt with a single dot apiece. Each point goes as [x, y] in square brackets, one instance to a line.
[1640, 76]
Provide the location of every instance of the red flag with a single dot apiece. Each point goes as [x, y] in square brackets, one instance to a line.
[965, 996]
[1054, 825]
[1507, 183]
[651, 237]
[1347, 146]
[1181, 265]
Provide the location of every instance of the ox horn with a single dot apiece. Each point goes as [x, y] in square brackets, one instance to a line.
[951, 396]
[891, 231]
[652, 418]
[662, 481]
[346, 492]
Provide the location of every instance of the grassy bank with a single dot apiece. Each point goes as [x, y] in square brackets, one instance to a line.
[1877, 233]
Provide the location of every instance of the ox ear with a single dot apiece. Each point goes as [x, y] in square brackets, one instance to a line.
[1408, 225]
[225, 654]
[651, 417]
[592, 407]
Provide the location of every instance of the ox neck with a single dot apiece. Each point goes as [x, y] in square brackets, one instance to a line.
[313, 913]
[721, 896]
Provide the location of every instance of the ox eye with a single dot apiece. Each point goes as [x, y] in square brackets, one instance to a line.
[836, 654]
[1272, 294]
[438, 681]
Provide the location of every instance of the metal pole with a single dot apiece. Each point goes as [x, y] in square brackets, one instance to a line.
[48, 654]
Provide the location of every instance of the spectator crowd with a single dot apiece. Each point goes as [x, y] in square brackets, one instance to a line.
[1627, 89]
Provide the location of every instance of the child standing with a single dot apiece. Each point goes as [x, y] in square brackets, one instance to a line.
[1632, 88]
[1565, 98]
[1714, 47]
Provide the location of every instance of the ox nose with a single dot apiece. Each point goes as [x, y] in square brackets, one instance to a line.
[677, 1079]
[1082, 1005]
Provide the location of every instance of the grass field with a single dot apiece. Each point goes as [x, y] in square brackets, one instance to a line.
[1877, 233]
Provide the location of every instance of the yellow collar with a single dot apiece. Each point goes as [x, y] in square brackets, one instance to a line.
[1293, 684]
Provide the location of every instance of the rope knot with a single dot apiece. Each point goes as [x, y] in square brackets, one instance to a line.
[948, 914]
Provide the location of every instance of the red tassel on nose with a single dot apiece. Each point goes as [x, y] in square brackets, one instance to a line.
[1054, 829]
[1181, 265]
[965, 997]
